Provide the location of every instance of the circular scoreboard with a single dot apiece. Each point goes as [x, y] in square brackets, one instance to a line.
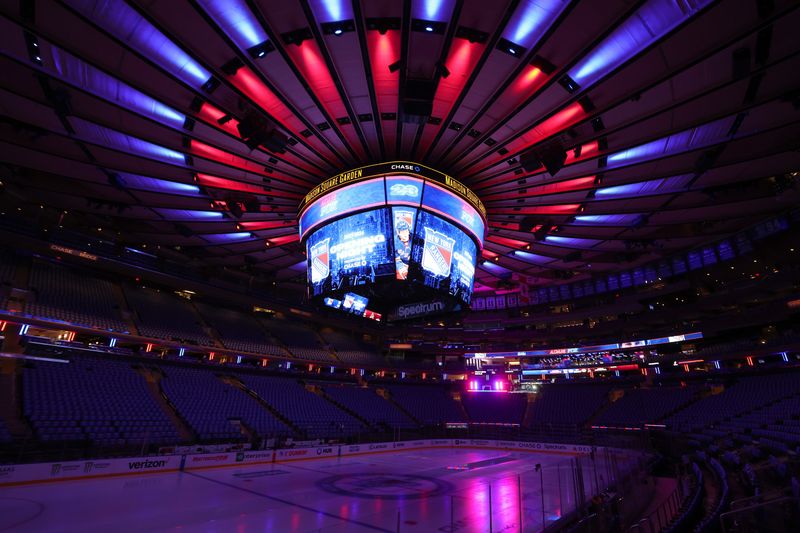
[398, 239]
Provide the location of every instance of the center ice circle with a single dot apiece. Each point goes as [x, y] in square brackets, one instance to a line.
[384, 486]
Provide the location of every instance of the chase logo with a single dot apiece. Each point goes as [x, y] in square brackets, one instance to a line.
[400, 189]
[413, 168]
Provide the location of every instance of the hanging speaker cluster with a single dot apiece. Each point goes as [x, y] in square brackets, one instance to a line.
[417, 103]
[550, 155]
[256, 131]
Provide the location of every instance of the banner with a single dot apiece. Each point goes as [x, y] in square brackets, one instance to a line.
[193, 462]
[12, 474]
[38, 472]
[294, 454]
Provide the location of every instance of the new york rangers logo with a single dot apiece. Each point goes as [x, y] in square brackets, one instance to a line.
[437, 255]
[320, 261]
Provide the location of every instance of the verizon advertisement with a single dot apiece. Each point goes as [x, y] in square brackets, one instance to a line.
[13, 474]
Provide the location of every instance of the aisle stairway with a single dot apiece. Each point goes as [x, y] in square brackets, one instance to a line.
[152, 377]
[11, 400]
[236, 382]
[124, 310]
[320, 392]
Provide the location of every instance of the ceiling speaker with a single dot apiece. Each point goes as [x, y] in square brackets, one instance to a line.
[550, 156]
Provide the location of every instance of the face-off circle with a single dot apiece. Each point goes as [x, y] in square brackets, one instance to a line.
[386, 486]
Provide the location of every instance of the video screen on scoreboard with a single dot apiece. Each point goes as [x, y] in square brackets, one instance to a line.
[351, 251]
[442, 257]
[403, 220]
[354, 303]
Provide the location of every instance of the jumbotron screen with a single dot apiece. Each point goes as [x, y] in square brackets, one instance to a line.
[394, 238]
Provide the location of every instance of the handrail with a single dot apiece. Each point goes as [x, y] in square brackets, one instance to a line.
[693, 501]
[723, 516]
[764, 497]
[720, 472]
[666, 510]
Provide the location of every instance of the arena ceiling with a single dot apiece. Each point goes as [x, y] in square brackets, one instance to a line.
[197, 126]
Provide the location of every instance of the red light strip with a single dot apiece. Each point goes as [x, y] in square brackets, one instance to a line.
[461, 61]
[505, 241]
[575, 184]
[256, 225]
[588, 150]
[309, 60]
[563, 119]
[247, 82]
[529, 81]
[226, 158]
[286, 239]
[538, 133]
[563, 209]
[216, 182]
[211, 115]
[383, 51]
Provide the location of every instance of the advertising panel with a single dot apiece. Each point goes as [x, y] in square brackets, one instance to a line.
[13, 474]
[447, 204]
[354, 197]
[306, 453]
[206, 460]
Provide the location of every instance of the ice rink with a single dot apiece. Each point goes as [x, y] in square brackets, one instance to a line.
[425, 490]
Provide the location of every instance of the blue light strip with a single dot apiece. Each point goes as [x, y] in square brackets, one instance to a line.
[435, 10]
[236, 19]
[188, 214]
[531, 19]
[684, 141]
[641, 188]
[221, 238]
[650, 23]
[119, 141]
[331, 10]
[606, 220]
[573, 242]
[533, 258]
[134, 181]
[101, 84]
[495, 269]
[123, 22]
